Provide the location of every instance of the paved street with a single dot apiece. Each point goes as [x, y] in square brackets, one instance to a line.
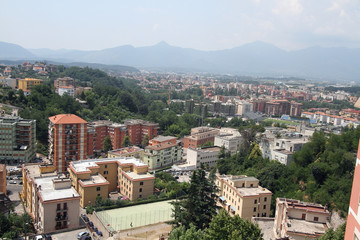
[14, 190]
[67, 235]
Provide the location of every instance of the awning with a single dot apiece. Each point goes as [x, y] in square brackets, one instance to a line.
[222, 198]
[233, 208]
[227, 204]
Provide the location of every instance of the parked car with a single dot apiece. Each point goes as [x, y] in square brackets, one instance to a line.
[83, 235]
[39, 237]
[47, 237]
[12, 182]
[84, 217]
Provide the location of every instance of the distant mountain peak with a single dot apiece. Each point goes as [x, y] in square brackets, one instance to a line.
[162, 44]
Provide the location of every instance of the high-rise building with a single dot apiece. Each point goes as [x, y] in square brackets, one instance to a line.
[137, 129]
[17, 140]
[352, 231]
[67, 140]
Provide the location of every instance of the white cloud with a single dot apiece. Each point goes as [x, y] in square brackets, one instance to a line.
[288, 7]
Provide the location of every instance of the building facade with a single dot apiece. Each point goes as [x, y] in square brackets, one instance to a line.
[300, 220]
[229, 138]
[17, 140]
[207, 156]
[132, 151]
[162, 155]
[28, 83]
[67, 140]
[199, 136]
[137, 129]
[3, 178]
[243, 196]
[98, 177]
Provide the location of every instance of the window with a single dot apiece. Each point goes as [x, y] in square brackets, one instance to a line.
[316, 219]
[140, 196]
[251, 185]
[254, 209]
[106, 172]
[141, 183]
[98, 195]
[58, 206]
[98, 189]
[243, 185]
[105, 165]
[255, 201]
[303, 216]
[140, 189]
[265, 199]
[264, 206]
[65, 205]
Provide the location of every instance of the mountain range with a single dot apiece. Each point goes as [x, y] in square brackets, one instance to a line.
[254, 59]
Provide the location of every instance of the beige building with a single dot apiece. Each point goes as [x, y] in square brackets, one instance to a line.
[98, 177]
[243, 196]
[51, 201]
[300, 220]
[207, 156]
[3, 178]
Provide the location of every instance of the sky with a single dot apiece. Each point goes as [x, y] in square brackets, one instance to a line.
[198, 24]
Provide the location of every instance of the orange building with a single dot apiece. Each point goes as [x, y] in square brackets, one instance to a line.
[353, 220]
[67, 140]
[3, 178]
[199, 136]
[137, 129]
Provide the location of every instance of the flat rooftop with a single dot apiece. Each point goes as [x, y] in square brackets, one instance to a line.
[207, 149]
[33, 170]
[266, 225]
[163, 138]
[84, 165]
[253, 191]
[48, 192]
[94, 179]
[134, 175]
[305, 227]
[126, 150]
[161, 146]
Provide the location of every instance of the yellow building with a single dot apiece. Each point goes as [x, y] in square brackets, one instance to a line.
[98, 177]
[28, 83]
[242, 195]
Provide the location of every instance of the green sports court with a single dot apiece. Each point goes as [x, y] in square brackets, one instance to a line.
[136, 216]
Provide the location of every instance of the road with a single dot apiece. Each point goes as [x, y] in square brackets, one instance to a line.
[14, 190]
[67, 235]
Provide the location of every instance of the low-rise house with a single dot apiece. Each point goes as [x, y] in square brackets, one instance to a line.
[300, 220]
[242, 195]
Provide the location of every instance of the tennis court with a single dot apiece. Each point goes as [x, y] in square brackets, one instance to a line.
[136, 216]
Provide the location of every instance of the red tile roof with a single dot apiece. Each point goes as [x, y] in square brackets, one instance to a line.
[66, 119]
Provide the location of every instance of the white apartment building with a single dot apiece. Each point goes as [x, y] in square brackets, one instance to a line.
[207, 156]
[229, 138]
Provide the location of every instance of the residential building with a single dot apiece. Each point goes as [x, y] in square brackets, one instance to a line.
[51, 201]
[199, 136]
[65, 81]
[207, 156]
[103, 128]
[230, 138]
[353, 220]
[69, 90]
[243, 107]
[137, 129]
[3, 178]
[28, 83]
[132, 151]
[241, 195]
[10, 82]
[17, 140]
[295, 109]
[300, 220]
[163, 154]
[98, 177]
[67, 140]
[162, 139]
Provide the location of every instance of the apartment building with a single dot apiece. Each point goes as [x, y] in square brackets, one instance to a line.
[28, 83]
[103, 128]
[207, 156]
[17, 140]
[199, 136]
[132, 151]
[98, 177]
[300, 220]
[352, 231]
[51, 201]
[69, 90]
[230, 138]
[3, 178]
[243, 107]
[243, 196]
[137, 129]
[10, 82]
[63, 82]
[67, 140]
[163, 154]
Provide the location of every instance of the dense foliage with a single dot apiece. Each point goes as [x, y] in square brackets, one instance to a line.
[222, 226]
[322, 170]
[332, 234]
[14, 225]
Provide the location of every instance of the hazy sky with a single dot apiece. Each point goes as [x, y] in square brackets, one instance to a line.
[199, 24]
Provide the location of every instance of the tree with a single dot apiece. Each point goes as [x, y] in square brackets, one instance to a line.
[145, 141]
[107, 145]
[223, 226]
[200, 205]
[126, 142]
[181, 233]
[338, 234]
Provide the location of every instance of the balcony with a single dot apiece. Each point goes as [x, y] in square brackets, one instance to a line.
[61, 218]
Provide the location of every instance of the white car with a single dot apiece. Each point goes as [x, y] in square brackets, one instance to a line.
[39, 237]
[83, 236]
